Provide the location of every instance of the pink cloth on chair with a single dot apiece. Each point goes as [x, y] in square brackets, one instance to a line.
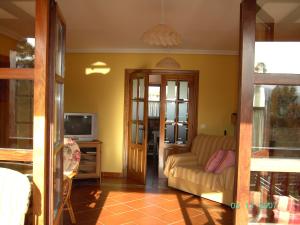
[71, 156]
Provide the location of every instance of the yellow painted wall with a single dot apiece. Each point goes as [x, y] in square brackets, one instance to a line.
[6, 44]
[104, 94]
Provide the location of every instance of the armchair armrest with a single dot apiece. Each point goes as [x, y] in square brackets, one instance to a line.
[186, 158]
[174, 150]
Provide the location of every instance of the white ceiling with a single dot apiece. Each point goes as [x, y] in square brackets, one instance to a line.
[17, 18]
[206, 26]
[117, 25]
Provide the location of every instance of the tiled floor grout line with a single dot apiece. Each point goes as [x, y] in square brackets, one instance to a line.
[110, 206]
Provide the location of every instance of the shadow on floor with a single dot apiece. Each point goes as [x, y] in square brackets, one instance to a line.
[120, 201]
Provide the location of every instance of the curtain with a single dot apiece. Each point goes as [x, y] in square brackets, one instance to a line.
[153, 109]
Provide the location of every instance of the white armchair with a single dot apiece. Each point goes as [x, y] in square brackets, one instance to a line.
[15, 191]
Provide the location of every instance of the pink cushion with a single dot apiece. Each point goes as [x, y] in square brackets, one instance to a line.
[227, 161]
[214, 161]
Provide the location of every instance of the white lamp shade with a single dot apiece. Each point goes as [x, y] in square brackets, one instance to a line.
[162, 35]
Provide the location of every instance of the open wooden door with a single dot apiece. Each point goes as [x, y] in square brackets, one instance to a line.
[178, 114]
[31, 107]
[137, 126]
[56, 111]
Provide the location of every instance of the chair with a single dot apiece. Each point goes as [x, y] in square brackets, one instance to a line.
[15, 191]
[71, 164]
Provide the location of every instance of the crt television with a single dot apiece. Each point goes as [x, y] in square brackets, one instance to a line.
[80, 126]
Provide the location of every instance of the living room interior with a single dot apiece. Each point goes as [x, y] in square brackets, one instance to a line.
[152, 94]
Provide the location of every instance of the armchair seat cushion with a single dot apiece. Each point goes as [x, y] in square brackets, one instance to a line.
[197, 175]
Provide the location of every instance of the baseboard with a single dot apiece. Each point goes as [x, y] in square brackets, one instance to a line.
[111, 175]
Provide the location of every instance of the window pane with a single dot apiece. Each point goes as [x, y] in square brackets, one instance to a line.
[58, 179]
[153, 109]
[183, 90]
[276, 121]
[170, 133]
[277, 44]
[133, 133]
[183, 112]
[59, 49]
[134, 110]
[141, 110]
[58, 113]
[141, 134]
[171, 90]
[16, 114]
[141, 88]
[277, 57]
[17, 30]
[154, 93]
[134, 88]
[274, 197]
[182, 133]
[170, 111]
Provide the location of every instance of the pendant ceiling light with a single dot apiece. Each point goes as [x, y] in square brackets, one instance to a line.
[162, 34]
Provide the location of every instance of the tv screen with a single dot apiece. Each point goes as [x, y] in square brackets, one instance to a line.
[78, 125]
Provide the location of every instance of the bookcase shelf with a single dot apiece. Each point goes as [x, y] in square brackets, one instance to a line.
[90, 162]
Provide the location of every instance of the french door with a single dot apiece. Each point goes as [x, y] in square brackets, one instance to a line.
[178, 114]
[56, 110]
[268, 170]
[137, 126]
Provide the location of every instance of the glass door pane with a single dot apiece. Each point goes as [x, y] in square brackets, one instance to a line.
[57, 181]
[274, 189]
[137, 110]
[58, 113]
[176, 112]
[16, 114]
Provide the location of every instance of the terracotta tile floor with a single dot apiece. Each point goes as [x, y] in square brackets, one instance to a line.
[120, 203]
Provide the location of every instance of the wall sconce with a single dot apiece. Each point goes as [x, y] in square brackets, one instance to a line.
[97, 68]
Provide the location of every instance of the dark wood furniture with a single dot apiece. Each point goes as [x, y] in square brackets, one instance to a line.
[90, 162]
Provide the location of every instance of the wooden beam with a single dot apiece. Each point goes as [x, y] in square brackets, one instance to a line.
[40, 138]
[16, 74]
[244, 134]
[16, 154]
[271, 79]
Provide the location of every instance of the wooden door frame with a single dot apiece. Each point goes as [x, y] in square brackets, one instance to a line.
[244, 125]
[40, 153]
[127, 106]
[248, 78]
